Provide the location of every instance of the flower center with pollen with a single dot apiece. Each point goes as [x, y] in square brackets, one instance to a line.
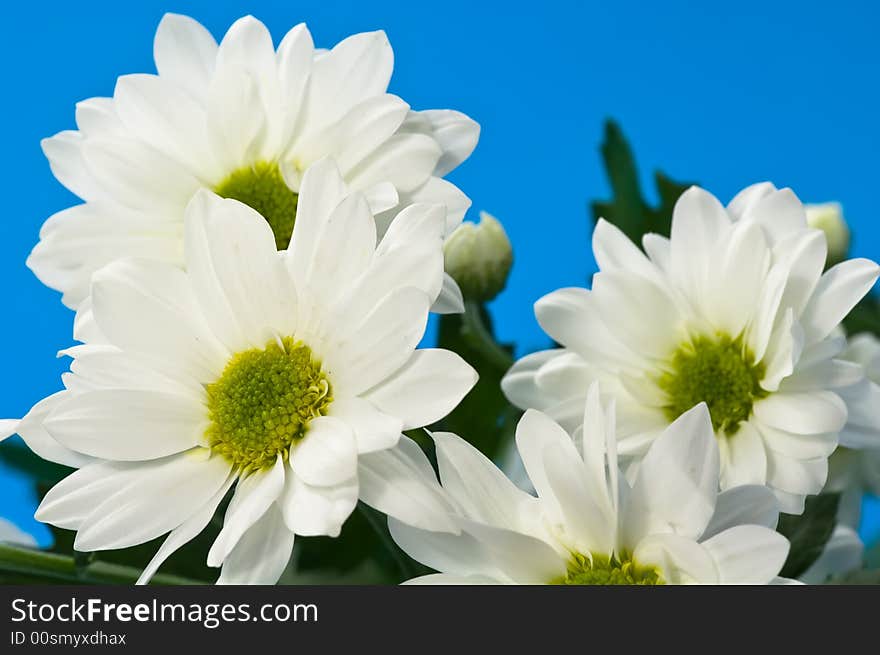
[263, 402]
[603, 570]
[262, 187]
[719, 371]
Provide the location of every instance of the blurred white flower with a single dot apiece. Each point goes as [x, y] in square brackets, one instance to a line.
[841, 555]
[733, 310]
[588, 525]
[246, 121]
[855, 465]
[290, 376]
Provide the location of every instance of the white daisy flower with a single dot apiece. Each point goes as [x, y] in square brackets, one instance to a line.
[855, 465]
[588, 525]
[287, 375]
[244, 120]
[733, 310]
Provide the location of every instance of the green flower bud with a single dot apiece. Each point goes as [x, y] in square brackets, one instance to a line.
[479, 256]
[828, 217]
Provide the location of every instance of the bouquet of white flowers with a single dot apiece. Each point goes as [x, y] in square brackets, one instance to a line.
[263, 235]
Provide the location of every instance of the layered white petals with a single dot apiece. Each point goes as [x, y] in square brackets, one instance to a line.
[213, 110]
[670, 520]
[751, 273]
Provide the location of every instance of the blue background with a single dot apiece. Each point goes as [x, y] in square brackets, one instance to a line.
[725, 94]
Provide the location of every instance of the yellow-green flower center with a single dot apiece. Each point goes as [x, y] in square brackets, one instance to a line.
[719, 371]
[604, 570]
[263, 402]
[262, 187]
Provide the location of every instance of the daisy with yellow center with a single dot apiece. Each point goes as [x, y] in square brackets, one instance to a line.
[733, 310]
[588, 525]
[289, 376]
[244, 120]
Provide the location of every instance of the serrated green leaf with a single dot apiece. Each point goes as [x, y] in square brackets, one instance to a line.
[627, 208]
[808, 533]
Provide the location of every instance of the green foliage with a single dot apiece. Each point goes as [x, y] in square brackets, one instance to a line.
[484, 417]
[627, 208]
[809, 532]
[865, 317]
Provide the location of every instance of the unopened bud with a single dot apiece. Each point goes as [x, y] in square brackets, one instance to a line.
[828, 217]
[479, 256]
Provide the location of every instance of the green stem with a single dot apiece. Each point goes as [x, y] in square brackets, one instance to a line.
[63, 568]
[477, 335]
[403, 564]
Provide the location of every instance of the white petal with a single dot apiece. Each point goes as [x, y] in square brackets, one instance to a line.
[796, 476]
[160, 497]
[373, 429]
[523, 558]
[32, 430]
[315, 511]
[401, 483]
[184, 52]
[458, 554]
[426, 388]
[838, 291]
[295, 57]
[535, 432]
[410, 254]
[678, 478]
[327, 455]
[456, 133]
[253, 497]
[747, 504]
[165, 115]
[64, 152]
[748, 554]
[519, 383]
[748, 197]
[802, 413]
[743, 458]
[373, 349]
[681, 560]
[405, 160]
[321, 191]
[355, 69]
[262, 553]
[185, 532]
[450, 300]
[150, 309]
[139, 176]
[614, 250]
[243, 288]
[128, 425]
[483, 492]
[70, 501]
[436, 190]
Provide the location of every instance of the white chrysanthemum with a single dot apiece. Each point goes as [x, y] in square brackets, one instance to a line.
[732, 310]
[855, 465]
[588, 525]
[289, 375]
[245, 121]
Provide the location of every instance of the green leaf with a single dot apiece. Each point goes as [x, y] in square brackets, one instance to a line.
[808, 533]
[23, 460]
[864, 317]
[627, 208]
[484, 417]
